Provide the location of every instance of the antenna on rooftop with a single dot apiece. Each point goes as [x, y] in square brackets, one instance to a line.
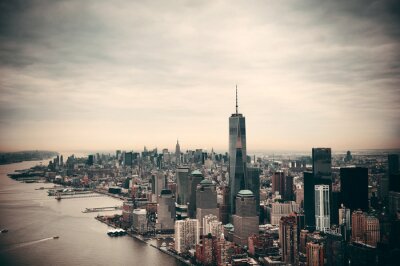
[236, 101]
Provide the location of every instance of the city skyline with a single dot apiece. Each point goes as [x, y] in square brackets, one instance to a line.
[123, 75]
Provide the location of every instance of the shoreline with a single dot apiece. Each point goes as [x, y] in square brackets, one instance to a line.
[139, 238]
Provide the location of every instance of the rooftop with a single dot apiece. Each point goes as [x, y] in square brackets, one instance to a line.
[196, 172]
[246, 193]
[206, 182]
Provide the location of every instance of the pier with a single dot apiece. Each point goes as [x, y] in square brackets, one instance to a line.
[102, 209]
[78, 196]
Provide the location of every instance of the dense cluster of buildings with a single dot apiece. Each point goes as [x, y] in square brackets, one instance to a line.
[233, 209]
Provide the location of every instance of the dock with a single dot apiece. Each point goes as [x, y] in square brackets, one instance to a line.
[78, 196]
[102, 209]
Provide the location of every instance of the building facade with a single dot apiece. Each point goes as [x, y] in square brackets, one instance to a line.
[237, 155]
[322, 207]
[186, 234]
[245, 220]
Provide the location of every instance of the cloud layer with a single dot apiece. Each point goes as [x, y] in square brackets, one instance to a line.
[123, 74]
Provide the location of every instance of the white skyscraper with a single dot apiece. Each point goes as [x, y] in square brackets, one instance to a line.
[322, 212]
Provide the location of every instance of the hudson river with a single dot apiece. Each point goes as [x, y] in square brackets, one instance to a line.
[33, 218]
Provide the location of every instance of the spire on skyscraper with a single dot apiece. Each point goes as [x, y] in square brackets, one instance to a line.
[236, 101]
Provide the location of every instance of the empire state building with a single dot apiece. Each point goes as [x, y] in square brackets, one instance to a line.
[237, 155]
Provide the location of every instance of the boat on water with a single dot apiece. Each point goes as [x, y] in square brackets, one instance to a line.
[4, 231]
[116, 232]
[56, 237]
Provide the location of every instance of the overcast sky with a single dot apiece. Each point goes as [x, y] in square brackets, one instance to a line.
[99, 75]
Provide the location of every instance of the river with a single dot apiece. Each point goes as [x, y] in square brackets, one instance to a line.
[33, 218]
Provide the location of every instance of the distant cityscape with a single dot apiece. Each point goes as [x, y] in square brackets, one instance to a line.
[240, 209]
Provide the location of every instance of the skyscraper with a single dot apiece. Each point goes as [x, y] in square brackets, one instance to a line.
[283, 184]
[309, 209]
[166, 211]
[315, 254]
[178, 153]
[128, 158]
[309, 196]
[365, 228]
[182, 179]
[322, 207]
[237, 154]
[278, 182]
[393, 163]
[212, 226]
[159, 182]
[288, 239]
[345, 222]
[206, 200]
[322, 162]
[393, 172]
[245, 220]
[253, 177]
[354, 188]
[225, 206]
[194, 179]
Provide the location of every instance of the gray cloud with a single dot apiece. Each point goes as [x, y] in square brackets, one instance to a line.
[305, 68]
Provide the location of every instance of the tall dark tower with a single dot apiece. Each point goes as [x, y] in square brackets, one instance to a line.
[354, 188]
[321, 163]
[237, 154]
[393, 172]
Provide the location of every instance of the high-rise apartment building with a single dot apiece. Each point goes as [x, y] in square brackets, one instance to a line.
[345, 222]
[365, 228]
[315, 254]
[139, 221]
[212, 226]
[357, 226]
[186, 234]
[303, 241]
[288, 239]
[372, 230]
[278, 210]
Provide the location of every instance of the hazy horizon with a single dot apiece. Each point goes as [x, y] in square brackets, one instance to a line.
[127, 74]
